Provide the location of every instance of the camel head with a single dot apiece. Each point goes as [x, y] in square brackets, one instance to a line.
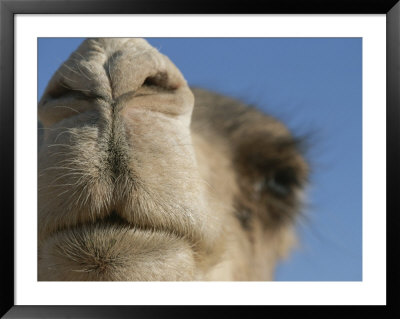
[143, 178]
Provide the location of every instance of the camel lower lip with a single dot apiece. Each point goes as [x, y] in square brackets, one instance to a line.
[114, 252]
[108, 226]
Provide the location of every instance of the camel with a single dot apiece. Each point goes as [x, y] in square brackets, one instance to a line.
[143, 178]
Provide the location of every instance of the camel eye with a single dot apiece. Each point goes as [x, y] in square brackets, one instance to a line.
[282, 182]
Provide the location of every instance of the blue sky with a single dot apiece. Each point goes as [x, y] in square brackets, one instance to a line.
[314, 85]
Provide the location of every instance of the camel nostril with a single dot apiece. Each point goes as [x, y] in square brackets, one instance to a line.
[160, 80]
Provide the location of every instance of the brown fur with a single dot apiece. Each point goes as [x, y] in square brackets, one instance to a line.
[142, 178]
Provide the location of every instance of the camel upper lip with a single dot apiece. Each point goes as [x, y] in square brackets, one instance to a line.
[113, 219]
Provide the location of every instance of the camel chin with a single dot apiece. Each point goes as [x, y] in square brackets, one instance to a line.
[142, 178]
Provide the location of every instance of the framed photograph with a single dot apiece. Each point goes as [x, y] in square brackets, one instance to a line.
[171, 155]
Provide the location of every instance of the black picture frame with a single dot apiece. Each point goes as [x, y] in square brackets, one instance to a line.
[8, 10]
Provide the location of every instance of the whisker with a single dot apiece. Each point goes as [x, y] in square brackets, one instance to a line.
[68, 107]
